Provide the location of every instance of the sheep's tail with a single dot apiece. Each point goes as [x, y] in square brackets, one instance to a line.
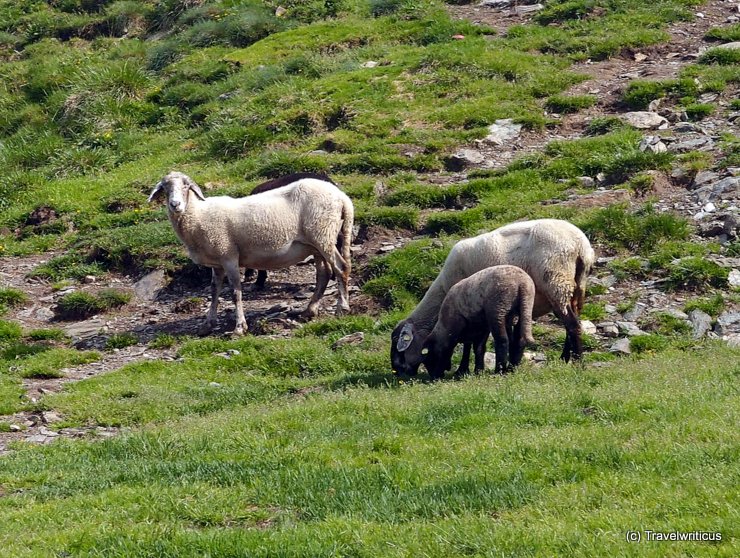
[526, 306]
[348, 222]
[584, 262]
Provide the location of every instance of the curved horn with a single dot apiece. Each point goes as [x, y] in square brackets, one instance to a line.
[155, 192]
[406, 337]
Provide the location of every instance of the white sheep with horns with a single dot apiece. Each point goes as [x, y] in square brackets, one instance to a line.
[274, 230]
[556, 255]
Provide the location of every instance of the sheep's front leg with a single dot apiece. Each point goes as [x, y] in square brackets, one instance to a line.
[464, 368]
[232, 272]
[480, 354]
[323, 272]
[217, 281]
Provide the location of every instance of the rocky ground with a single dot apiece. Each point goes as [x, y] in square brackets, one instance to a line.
[163, 305]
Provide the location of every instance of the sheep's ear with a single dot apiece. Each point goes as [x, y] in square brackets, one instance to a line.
[406, 337]
[155, 193]
[196, 189]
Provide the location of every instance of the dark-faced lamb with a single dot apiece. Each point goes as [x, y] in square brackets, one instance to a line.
[496, 300]
[554, 253]
[259, 284]
[274, 230]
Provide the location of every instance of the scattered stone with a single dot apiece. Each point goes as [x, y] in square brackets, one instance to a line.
[635, 312]
[387, 248]
[645, 120]
[369, 64]
[85, 329]
[733, 340]
[500, 4]
[685, 127]
[608, 329]
[726, 186]
[733, 279]
[703, 177]
[610, 309]
[89, 279]
[588, 327]
[701, 323]
[586, 181]
[15, 428]
[50, 417]
[280, 11]
[630, 329]
[502, 131]
[640, 57]
[725, 320]
[671, 312]
[463, 159]
[524, 10]
[149, 286]
[702, 144]
[37, 439]
[621, 346]
[214, 384]
[653, 144]
[352, 339]
[489, 361]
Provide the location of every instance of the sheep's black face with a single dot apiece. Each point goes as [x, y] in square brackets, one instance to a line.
[405, 350]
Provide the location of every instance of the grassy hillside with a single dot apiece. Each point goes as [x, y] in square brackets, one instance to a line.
[267, 446]
[555, 461]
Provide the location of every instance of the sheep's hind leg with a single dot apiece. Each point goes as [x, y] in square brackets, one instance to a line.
[323, 272]
[342, 270]
[232, 272]
[217, 281]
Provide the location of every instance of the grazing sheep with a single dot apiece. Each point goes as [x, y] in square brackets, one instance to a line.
[487, 301]
[556, 255]
[266, 187]
[271, 231]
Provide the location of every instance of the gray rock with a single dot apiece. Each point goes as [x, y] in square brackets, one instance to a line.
[489, 360]
[701, 323]
[500, 4]
[731, 46]
[588, 327]
[38, 439]
[586, 181]
[463, 159]
[652, 144]
[733, 340]
[503, 131]
[15, 428]
[678, 314]
[703, 177]
[691, 145]
[644, 120]
[685, 127]
[610, 308]
[369, 64]
[352, 339]
[85, 329]
[148, 287]
[734, 278]
[50, 417]
[635, 312]
[726, 186]
[728, 318]
[621, 346]
[608, 329]
[630, 329]
[523, 10]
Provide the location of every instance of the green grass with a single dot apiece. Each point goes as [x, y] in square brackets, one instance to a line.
[569, 103]
[374, 469]
[12, 297]
[79, 304]
[712, 305]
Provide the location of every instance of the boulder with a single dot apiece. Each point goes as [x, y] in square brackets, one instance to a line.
[644, 120]
[701, 323]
